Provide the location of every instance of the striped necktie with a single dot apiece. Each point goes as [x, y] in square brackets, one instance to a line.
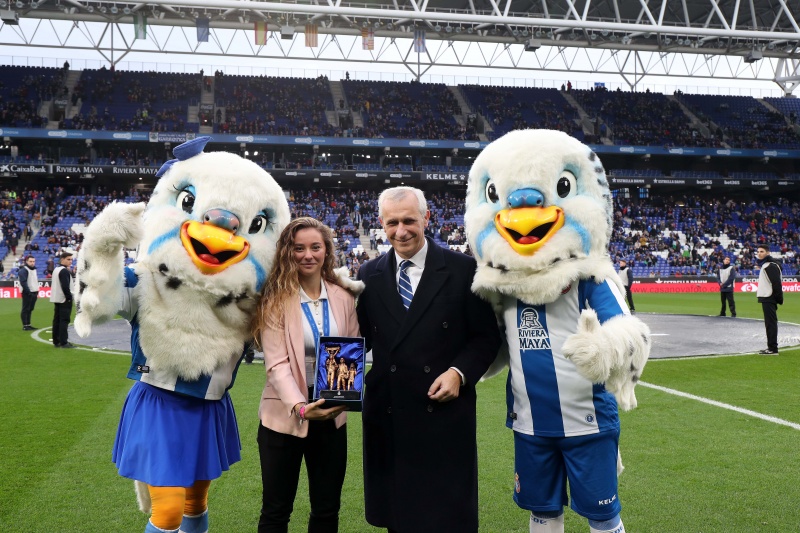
[404, 287]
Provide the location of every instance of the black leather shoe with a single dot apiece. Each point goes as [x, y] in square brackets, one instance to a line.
[28, 328]
[67, 345]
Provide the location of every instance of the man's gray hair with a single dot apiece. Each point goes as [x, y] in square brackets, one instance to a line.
[395, 194]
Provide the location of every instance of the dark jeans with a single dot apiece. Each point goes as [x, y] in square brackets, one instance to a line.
[61, 315]
[325, 452]
[28, 303]
[771, 324]
[629, 297]
[727, 297]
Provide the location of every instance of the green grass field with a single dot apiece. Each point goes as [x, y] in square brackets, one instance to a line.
[691, 467]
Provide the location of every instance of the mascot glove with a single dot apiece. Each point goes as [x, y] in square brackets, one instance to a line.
[118, 225]
[614, 353]
[590, 350]
[353, 286]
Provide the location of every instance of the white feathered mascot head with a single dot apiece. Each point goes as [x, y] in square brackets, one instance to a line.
[206, 242]
[539, 219]
[539, 215]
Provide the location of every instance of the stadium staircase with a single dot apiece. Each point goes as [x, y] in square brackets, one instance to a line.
[586, 122]
[695, 123]
[206, 97]
[337, 93]
[73, 77]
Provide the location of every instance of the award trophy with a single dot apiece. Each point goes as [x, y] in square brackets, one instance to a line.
[340, 372]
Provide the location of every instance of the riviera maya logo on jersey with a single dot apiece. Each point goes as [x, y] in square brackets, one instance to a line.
[532, 336]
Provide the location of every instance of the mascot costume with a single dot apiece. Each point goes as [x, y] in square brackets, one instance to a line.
[206, 242]
[538, 219]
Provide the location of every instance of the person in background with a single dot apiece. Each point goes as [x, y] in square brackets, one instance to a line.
[726, 276]
[29, 283]
[61, 296]
[302, 300]
[626, 275]
[770, 296]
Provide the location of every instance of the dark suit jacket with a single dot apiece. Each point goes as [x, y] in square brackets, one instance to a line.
[420, 456]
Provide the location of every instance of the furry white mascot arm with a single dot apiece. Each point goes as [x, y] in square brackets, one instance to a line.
[101, 261]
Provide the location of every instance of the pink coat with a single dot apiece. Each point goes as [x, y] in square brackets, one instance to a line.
[284, 358]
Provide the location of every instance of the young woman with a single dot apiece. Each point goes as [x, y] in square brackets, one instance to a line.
[302, 300]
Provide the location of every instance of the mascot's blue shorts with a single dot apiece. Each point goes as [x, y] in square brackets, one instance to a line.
[166, 439]
[544, 464]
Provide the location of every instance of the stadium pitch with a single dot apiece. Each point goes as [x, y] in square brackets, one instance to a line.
[711, 448]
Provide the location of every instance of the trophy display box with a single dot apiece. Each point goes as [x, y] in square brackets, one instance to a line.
[340, 372]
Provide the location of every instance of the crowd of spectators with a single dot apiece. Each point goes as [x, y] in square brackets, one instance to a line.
[687, 235]
[742, 121]
[406, 110]
[510, 108]
[275, 106]
[640, 119]
[23, 90]
[146, 101]
[691, 235]
[159, 102]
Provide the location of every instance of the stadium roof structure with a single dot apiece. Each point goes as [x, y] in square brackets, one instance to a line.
[725, 39]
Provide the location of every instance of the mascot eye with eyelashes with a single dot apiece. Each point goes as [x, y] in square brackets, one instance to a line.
[259, 224]
[567, 184]
[491, 192]
[186, 200]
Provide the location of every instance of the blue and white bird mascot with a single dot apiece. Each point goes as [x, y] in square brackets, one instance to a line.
[206, 241]
[538, 220]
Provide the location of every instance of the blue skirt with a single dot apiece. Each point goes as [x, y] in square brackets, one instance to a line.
[166, 439]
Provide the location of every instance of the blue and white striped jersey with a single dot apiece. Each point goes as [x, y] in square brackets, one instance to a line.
[211, 387]
[546, 395]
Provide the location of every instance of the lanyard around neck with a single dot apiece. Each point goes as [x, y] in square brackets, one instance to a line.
[326, 325]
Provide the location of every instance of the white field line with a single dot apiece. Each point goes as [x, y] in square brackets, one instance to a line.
[715, 403]
[37, 336]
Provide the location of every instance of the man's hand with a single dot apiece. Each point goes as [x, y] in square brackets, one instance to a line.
[446, 386]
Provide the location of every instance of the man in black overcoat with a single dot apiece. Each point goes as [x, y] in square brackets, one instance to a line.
[432, 339]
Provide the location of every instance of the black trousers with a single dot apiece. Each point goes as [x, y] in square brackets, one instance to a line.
[771, 324]
[727, 297]
[325, 452]
[629, 298]
[28, 303]
[61, 315]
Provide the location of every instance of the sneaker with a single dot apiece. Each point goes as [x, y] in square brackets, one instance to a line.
[768, 352]
[28, 328]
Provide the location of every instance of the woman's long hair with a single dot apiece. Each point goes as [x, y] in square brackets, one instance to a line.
[283, 284]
